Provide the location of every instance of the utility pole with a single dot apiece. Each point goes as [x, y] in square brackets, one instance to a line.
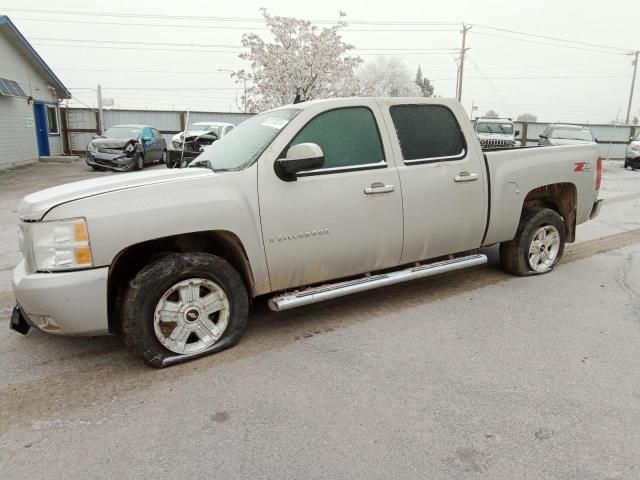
[100, 116]
[633, 83]
[463, 51]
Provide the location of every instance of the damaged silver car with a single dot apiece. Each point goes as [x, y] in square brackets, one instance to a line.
[187, 145]
[126, 147]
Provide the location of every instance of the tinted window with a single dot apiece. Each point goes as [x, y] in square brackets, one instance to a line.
[427, 131]
[347, 136]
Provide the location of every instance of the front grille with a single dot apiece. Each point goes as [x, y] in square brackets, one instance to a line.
[495, 143]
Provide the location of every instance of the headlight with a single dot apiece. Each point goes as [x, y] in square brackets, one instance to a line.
[91, 147]
[60, 245]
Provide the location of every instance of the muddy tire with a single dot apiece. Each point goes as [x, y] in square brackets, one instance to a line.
[538, 245]
[184, 305]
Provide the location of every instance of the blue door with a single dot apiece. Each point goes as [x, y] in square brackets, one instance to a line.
[42, 132]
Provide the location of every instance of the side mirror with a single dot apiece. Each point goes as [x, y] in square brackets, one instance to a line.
[517, 133]
[300, 158]
[146, 139]
[542, 135]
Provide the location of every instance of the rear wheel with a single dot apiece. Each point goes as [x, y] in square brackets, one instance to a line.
[184, 305]
[626, 163]
[538, 244]
[163, 158]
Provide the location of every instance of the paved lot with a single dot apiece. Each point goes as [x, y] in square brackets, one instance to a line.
[471, 375]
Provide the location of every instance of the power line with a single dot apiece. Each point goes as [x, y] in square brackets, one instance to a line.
[216, 19]
[210, 45]
[525, 40]
[547, 37]
[218, 27]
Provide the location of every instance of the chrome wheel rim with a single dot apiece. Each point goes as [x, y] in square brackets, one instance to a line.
[191, 316]
[544, 248]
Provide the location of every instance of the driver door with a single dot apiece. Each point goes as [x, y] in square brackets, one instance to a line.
[340, 220]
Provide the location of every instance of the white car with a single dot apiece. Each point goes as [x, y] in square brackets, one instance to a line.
[196, 138]
[632, 159]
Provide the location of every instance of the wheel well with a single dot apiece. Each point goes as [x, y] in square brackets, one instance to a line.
[562, 198]
[131, 260]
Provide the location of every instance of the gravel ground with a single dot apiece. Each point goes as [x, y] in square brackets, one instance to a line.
[476, 374]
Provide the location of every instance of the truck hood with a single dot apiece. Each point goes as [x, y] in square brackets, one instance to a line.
[35, 205]
[110, 142]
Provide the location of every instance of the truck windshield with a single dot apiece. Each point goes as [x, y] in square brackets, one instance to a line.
[494, 127]
[249, 140]
[122, 132]
[572, 134]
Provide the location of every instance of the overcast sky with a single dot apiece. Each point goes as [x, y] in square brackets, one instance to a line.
[506, 72]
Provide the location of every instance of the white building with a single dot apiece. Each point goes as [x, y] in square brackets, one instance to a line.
[29, 95]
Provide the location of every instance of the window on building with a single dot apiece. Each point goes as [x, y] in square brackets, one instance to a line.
[52, 120]
[348, 137]
[427, 132]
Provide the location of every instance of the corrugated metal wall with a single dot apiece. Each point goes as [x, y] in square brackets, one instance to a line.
[82, 122]
[612, 139]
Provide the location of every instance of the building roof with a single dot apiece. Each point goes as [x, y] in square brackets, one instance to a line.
[7, 26]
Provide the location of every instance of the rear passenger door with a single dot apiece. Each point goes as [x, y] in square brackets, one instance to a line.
[443, 179]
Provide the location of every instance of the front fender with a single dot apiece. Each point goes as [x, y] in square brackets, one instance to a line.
[119, 219]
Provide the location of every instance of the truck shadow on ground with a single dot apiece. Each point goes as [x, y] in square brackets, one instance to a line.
[95, 370]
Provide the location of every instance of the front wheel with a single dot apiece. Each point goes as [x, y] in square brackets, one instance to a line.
[163, 158]
[139, 162]
[538, 245]
[184, 305]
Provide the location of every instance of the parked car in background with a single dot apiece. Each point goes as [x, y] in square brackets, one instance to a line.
[632, 158]
[559, 134]
[495, 132]
[305, 203]
[199, 136]
[126, 147]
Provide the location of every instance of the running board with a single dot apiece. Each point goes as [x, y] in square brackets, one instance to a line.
[326, 292]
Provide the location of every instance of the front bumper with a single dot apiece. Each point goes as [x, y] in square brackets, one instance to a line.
[633, 159]
[64, 303]
[177, 155]
[121, 163]
[595, 210]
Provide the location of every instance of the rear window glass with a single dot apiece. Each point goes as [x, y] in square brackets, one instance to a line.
[427, 132]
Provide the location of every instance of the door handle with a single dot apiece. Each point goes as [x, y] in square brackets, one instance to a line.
[465, 177]
[378, 187]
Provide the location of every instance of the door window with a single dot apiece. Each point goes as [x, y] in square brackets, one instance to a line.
[52, 119]
[348, 137]
[427, 133]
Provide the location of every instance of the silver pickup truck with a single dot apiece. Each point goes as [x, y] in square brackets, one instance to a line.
[304, 203]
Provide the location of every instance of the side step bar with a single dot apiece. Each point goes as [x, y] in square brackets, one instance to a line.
[326, 292]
